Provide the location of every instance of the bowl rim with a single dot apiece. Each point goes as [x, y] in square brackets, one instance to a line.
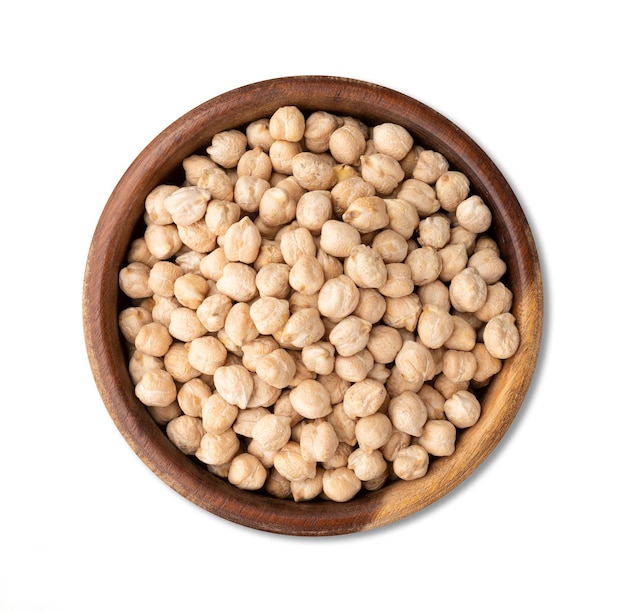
[160, 159]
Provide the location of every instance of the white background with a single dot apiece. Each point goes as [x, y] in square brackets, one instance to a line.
[85, 525]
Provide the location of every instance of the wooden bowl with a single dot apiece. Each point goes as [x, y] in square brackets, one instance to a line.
[160, 162]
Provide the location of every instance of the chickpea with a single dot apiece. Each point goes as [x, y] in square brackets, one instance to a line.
[411, 462]
[156, 388]
[318, 128]
[313, 171]
[468, 291]
[392, 139]
[367, 464]
[318, 441]
[319, 357]
[350, 335]
[227, 147]
[451, 188]
[462, 409]
[408, 413]
[367, 214]
[363, 398]
[384, 343]
[287, 123]
[242, 241]
[131, 320]
[373, 431]
[340, 484]
[306, 275]
[311, 399]
[430, 165]
[218, 449]
[435, 326]
[301, 329]
[276, 368]
[185, 432]
[365, 267]
[338, 297]
[354, 368]
[247, 472]
[473, 214]
[238, 282]
[217, 414]
[234, 384]
[438, 438]
[501, 336]
[290, 463]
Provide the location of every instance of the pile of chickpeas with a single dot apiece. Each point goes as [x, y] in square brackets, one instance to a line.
[312, 311]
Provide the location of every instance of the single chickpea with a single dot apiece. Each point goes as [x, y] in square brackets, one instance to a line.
[156, 388]
[340, 484]
[373, 431]
[420, 194]
[272, 280]
[255, 162]
[213, 311]
[276, 207]
[338, 238]
[488, 264]
[499, 300]
[269, 314]
[354, 368]
[487, 365]
[162, 276]
[217, 182]
[399, 281]
[176, 363]
[434, 231]
[501, 336]
[313, 209]
[383, 171]
[384, 343]
[155, 205]
[153, 339]
[134, 280]
[348, 190]
[194, 166]
[276, 368]
[220, 215]
[306, 275]
[185, 432]
[473, 214]
[191, 290]
[371, 305]
[335, 385]
[462, 409]
[187, 204]
[367, 464]
[131, 320]
[272, 432]
[258, 134]
[459, 366]
[287, 123]
[346, 144]
[309, 488]
[396, 442]
[248, 191]
[402, 312]
[311, 399]
[313, 171]
[430, 166]
[218, 449]
[453, 261]
[365, 267]
[301, 329]
[391, 246]
[403, 217]
[227, 147]
[435, 326]
[468, 291]
[247, 472]
[319, 357]
[234, 384]
[318, 441]
[239, 324]
[290, 463]
[162, 415]
[463, 337]
[438, 438]
[392, 139]
[411, 462]
[139, 251]
[435, 293]
[263, 394]
[331, 266]
[425, 264]
[367, 214]
[197, 237]
[281, 154]
[242, 241]
[318, 128]
[247, 419]
[192, 395]
[408, 413]
[451, 188]
[163, 241]
[212, 264]
[238, 282]
[139, 364]
[434, 401]
[415, 361]
[350, 335]
[296, 242]
[185, 324]
[363, 398]
[277, 485]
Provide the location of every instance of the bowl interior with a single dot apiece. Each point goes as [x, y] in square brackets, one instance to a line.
[160, 162]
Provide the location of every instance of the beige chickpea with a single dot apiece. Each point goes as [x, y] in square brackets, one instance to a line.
[258, 134]
[399, 281]
[263, 394]
[309, 488]
[420, 194]
[434, 231]
[411, 462]
[430, 166]
[391, 246]
[434, 401]
[463, 337]
[156, 388]
[290, 463]
[319, 357]
[131, 320]
[501, 336]
[318, 128]
[306, 275]
[365, 267]
[371, 305]
[162, 415]
[468, 291]
[189, 261]
[185, 432]
[272, 280]
[415, 361]
[350, 335]
[269, 314]
[139, 364]
[318, 441]
[311, 399]
[344, 427]
[451, 188]
[276, 207]
[277, 485]
[194, 166]
[176, 363]
[213, 311]
[255, 162]
[197, 237]
[392, 139]
[192, 395]
[277, 368]
[453, 261]
[187, 204]
[313, 209]
[242, 241]
[301, 329]
[335, 385]
[266, 457]
[459, 366]
[134, 280]
[247, 472]
[331, 266]
[162, 276]
[354, 368]
[238, 282]
[153, 339]
[269, 253]
[367, 464]
[486, 364]
[239, 324]
[499, 300]
[373, 431]
[227, 147]
[348, 190]
[296, 242]
[248, 191]
[396, 442]
[473, 214]
[220, 215]
[408, 413]
[282, 153]
[338, 238]
[438, 438]
[403, 217]
[435, 293]
[287, 123]
[212, 264]
[217, 414]
[185, 324]
[217, 182]
[367, 214]
[425, 264]
[253, 351]
[218, 449]
[206, 354]
[340, 484]
[382, 171]
[488, 264]
[402, 312]
[234, 384]
[384, 343]
[163, 241]
[448, 387]
[313, 171]
[155, 205]
[363, 398]
[191, 290]
[139, 251]
[272, 432]
[435, 326]
[346, 144]
[462, 409]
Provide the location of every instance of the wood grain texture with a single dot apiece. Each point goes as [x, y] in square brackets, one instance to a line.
[160, 161]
